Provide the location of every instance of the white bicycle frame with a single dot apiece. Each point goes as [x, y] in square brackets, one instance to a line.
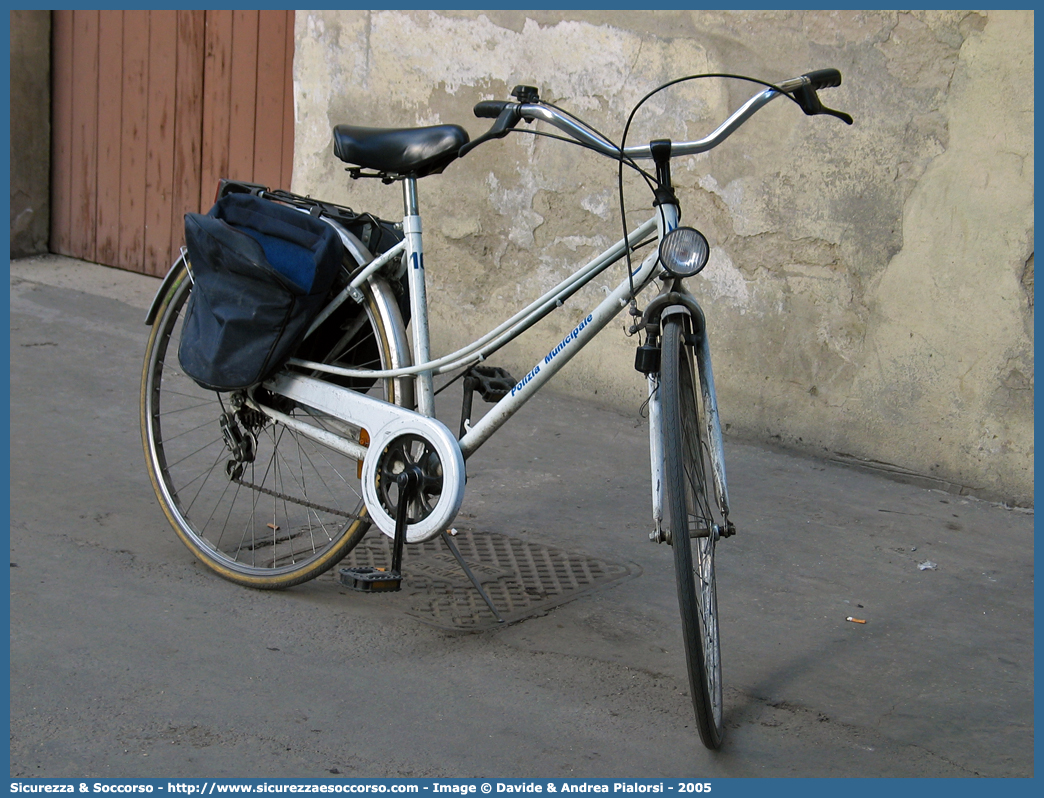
[366, 412]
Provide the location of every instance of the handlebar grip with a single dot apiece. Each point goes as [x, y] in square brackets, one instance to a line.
[491, 108]
[823, 78]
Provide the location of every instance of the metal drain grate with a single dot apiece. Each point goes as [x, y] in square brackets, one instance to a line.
[523, 579]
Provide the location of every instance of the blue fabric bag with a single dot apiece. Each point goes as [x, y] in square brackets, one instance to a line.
[261, 272]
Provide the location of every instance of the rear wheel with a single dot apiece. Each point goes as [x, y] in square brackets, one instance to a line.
[694, 524]
[256, 501]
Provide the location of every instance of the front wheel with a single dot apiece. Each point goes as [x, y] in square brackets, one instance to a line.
[253, 499]
[694, 522]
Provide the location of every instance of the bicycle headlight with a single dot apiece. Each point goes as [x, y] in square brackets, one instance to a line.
[684, 251]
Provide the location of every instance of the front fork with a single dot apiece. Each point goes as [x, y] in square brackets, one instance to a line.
[676, 300]
[656, 457]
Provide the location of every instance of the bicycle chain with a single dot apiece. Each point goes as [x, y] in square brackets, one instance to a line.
[292, 499]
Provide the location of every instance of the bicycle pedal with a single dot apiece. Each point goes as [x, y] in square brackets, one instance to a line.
[371, 580]
[492, 382]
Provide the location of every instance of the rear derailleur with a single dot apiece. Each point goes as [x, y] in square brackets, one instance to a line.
[239, 428]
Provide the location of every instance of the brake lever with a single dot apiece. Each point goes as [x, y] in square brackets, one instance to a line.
[509, 117]
[810, 103]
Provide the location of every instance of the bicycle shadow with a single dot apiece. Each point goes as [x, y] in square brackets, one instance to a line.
[761, 701]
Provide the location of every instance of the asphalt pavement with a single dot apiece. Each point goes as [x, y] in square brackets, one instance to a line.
[128, 658]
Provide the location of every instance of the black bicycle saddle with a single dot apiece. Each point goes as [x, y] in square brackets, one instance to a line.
[417, 151]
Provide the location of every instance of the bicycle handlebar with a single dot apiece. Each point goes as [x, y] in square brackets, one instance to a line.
[508, 114]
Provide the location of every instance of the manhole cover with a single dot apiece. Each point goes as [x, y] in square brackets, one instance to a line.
[522, 579]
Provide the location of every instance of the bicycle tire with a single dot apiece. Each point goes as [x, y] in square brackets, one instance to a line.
[293, 512]
[691, 510]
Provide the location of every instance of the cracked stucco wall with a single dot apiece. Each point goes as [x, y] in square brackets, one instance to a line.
[870, 292]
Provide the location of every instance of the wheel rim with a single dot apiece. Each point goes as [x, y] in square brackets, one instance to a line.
[290, 510]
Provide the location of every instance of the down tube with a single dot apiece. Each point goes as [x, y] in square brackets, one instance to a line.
[561, 354]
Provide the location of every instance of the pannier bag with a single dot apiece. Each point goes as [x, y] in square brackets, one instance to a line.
[261, 272]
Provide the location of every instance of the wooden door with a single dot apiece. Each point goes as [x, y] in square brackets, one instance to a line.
[149, 109]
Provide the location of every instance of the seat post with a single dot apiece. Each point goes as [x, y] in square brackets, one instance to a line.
[411, 227]
[409, 196]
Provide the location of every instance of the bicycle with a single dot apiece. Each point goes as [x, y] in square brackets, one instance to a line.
[272, 485]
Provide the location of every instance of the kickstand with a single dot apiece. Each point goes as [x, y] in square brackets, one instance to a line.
[474, 580]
